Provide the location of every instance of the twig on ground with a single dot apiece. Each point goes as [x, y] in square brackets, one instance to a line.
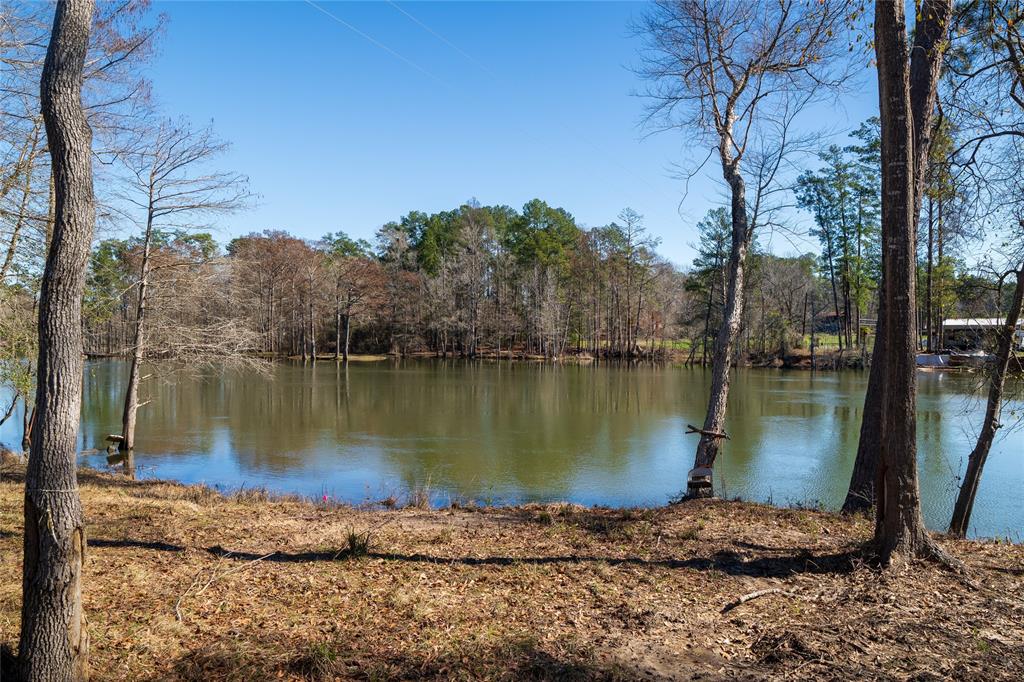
[177, 604]
[754, 595]
[213, 578]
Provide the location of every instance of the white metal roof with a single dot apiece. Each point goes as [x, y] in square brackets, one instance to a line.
[976, 322]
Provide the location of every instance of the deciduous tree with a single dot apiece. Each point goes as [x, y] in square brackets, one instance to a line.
[54, 642]
[737, 73]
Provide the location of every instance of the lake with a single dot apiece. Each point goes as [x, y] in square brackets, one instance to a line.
[503, 432]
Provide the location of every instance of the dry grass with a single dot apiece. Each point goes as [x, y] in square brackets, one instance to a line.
[271, 588]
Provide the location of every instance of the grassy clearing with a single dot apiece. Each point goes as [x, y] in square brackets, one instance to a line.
[183, 583]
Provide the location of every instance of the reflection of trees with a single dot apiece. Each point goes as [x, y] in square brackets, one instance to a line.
[529, 427]
[487, 429]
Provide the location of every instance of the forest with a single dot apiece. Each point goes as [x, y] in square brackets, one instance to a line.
[491, 280]
[849, 248]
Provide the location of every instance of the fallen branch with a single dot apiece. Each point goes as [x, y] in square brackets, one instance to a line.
[690, 428]
[754, 595]
[213, 578]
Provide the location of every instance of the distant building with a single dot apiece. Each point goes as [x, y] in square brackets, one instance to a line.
[976, 332]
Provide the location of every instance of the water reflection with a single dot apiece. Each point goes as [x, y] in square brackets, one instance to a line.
[518, 431]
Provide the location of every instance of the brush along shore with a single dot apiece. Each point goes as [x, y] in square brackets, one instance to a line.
[184, 583]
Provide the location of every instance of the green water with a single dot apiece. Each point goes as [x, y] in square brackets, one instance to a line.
[507, 432]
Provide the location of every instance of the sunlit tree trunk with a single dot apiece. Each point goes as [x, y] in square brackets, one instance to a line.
[899, 527]
[923, 76]
[54, 640]
[725, 341]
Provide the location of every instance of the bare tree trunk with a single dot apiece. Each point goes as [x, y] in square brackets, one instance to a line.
[835, 297]
[10, 408]
[928, 274]
[54, 641]
[337, 329]
[348, 332]
[939, 312]
[976, 460]
[28, 417]
[312, 329]
[714, 421]
[814, 338]
[899, 528]
[131, 396]
[926, 62]
[707, 330]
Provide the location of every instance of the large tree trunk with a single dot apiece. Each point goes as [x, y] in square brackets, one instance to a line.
[899, 528]
[54, 641]
[923, 76]
[860, 496]
[976, 460]
[714, 421]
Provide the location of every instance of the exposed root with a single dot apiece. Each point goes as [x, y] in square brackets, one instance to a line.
[933, 552]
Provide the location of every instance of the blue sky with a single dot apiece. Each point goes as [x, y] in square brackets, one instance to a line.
[347, 115]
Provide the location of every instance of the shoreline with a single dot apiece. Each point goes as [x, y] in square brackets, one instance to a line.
[828, 361]
[182, 582]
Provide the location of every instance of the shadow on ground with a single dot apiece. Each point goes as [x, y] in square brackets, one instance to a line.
[733, 563]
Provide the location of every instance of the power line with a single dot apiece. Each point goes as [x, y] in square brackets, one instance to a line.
[379, 44]
[496, 81]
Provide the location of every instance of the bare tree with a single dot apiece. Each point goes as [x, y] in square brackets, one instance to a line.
[54, 641]
[725, 70]
[993, 410]
[169, 187]
[357, 281]
[113, 92]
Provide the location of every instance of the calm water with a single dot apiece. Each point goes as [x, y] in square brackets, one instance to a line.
[501, 432]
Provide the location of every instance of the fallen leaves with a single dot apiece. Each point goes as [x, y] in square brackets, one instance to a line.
[533, 592]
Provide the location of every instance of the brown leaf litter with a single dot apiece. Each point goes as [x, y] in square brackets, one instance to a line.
[184, 583]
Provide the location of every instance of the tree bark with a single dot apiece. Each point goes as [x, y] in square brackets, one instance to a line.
[921, 83]
[714, 421]
[54, 640]
[976, 460]
[899, 528]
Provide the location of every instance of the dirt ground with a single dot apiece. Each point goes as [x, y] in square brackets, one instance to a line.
[183, 583]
